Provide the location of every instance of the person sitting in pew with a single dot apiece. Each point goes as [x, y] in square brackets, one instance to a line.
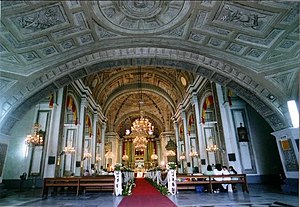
[218, 171]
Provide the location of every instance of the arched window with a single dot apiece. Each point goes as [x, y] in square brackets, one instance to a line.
[88, 126]
[181, 134]
[208, 112]
[71, 111]
[191, 124]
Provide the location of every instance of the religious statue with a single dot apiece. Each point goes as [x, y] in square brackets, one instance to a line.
[242, 133]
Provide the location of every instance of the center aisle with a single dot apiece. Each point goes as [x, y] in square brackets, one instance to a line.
[145, 195]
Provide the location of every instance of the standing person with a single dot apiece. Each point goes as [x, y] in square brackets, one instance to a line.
[233, 172]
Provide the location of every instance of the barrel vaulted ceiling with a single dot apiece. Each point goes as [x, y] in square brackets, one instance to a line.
[249, 46]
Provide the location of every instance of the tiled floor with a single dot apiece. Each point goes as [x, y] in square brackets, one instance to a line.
[259, 196]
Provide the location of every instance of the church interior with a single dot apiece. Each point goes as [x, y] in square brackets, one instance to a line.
[87, 85]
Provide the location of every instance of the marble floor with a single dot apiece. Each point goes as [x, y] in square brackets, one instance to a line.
[259, 196]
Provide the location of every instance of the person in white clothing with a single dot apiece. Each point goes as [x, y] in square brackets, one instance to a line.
[233, 172]
[218, 171]
[226, 186]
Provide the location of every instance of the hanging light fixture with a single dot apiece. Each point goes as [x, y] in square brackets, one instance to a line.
[140, 142]
[212, 148]
[35, 138]
[154, 156]
[182, 156]
[87, 155]
[193, 153]
[142, 125]
[170, 153]
[69, 149]
[125, 157]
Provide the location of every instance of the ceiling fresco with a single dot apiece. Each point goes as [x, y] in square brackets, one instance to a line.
[251, 47]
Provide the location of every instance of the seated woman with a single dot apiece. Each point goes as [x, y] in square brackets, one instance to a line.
[209, 170]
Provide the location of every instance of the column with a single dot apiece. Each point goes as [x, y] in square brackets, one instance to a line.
[52, 145]
[202, 148]
[80, 137]
[186, 141]
[178, 145]
[103, 129]
[120, 151]
[228, 130]
[158, 147]
[94, 139]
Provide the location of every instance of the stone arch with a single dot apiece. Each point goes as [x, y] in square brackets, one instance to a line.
[215, 70]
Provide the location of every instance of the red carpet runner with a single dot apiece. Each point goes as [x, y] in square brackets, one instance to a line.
[145, 195]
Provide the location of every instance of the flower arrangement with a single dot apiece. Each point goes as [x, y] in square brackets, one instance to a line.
[172, 165]
[127, 189]
[162, 188]
[118, 167]
[126, 169]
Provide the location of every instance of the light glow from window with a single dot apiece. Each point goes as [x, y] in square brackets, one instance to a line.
[294, 114]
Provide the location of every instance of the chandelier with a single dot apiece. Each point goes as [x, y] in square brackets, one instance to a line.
[35, 138]
[182, 156]
[142, 125]
[98, 158]
[69, 149]
[193, 154]
[125, 156]
[154, 156]
[212, 148]
[87, 155]
[140, 142]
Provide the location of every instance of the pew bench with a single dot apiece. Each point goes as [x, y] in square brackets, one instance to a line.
[98, 183]
[60, 182]
[89, 183]
[189, 182]
[233, 179]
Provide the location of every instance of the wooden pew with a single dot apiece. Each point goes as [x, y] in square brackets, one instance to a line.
[60, 182]
[89, 183]
[234, 179]
[97, 183]
[188, 182]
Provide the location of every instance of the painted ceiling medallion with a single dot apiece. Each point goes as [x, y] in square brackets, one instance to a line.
[183, 81]
[141, 16]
